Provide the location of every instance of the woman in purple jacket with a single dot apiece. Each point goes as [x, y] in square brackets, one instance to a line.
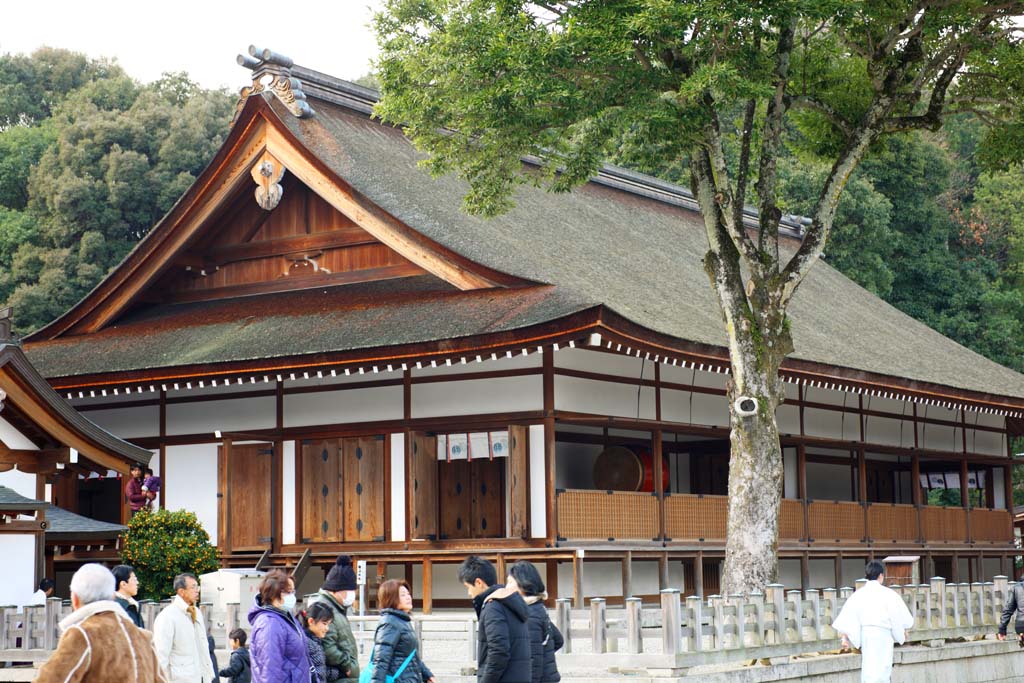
[278, 645]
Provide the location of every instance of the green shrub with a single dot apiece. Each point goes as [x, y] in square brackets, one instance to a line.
[162, 544]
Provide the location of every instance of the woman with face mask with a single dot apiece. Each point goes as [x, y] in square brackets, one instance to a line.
[278, 643]
[339, 592]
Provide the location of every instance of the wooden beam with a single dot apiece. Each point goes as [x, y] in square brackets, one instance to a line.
[375, 221]
[335, 239]
[627, 574]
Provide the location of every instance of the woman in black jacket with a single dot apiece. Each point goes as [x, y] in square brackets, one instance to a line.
[545, 638]
[395, 647]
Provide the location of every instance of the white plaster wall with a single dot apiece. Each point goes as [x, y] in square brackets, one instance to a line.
[12, 438]
[472, 397]
[999, 488]
[710, 410]
[19, 568]
[288, 461]
[788, 418]
[129, 422]
[397, 484]
[230, 414]
[790, 487]
[192, 483]
[828, 424]
[516, 362]
[828, 482]
[601, 579]
[680, 465]
[990, 568]
[675, 405]
[986, 443]
[822, 573]
[677, 374]
[20, 482]
[789, 573]
[852, 568]
[605, 363]
[835, 398]
[715, 380]
[939, 437]
[337, 407]
[538, 506]
[603, 398]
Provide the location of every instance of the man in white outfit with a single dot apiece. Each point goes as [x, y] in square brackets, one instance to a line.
[873, 619]
[179, 635]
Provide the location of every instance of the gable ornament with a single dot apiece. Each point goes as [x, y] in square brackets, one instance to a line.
[272, 73]
[267, 172]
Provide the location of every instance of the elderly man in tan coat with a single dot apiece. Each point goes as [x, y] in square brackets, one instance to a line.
[179, 635]
[100, 644]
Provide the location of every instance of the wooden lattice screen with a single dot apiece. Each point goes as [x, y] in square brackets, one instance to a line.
[791, 520]
[991, 526]
[838, 521]
[944, 525]
[893, 523]
[607, 515]
[694, 517]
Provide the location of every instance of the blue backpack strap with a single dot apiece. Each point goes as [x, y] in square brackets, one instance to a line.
[408, 659]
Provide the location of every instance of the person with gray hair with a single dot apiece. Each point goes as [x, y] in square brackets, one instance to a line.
[180, 635]
[99, 642]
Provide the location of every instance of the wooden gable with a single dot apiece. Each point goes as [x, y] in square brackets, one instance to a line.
[266, 215]
[301, 243]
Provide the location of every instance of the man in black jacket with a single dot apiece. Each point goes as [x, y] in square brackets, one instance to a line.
[504, 642]
[1014, 609]
[127, 587]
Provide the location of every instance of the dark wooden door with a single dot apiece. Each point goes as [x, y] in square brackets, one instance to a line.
[519, 488]
[321, 491]
[249, 469]
[363, 486]
[456, 486]
[422, 486]
[488, 498]
[709, 473]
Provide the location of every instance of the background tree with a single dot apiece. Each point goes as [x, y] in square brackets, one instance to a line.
[89, 162]
[719, 88]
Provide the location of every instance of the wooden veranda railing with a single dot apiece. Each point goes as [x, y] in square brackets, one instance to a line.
[696, 518]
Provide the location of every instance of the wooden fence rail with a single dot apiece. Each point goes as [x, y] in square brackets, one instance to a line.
[680, 633]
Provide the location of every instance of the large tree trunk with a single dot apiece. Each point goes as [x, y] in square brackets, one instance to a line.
[755, 485]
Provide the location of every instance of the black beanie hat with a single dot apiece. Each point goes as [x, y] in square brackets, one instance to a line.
[341, 577]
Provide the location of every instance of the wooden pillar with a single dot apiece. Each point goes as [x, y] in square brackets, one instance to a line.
[550, 465]
[500, 567]
[838, 566]
[862, 486]
[577, 581]
[163, 448]
[224, 491]
[627, 575]
[698, 573]
[552, 582]
[428, 586]
[965, 498]
[801, 488]
[663, 571]
[929, 567]
[805, 572]
[915, 493]
[406, 416]
[408, 572]
[1003, 565]
[956, 568]
[659, 480]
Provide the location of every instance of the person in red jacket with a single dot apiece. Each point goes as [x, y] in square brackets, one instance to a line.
[137, 498]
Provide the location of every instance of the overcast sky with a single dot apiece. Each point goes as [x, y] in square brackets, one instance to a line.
[201, 37]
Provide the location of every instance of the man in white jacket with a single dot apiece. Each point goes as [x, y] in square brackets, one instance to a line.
[873, 619]
[179, 635]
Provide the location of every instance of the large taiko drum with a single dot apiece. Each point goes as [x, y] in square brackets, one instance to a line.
[618, 468]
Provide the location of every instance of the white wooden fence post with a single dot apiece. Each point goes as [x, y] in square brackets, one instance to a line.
[634, 626]
[671, 622]
[563, 620]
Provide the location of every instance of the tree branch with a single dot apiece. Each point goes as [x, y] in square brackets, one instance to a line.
[769, 214]
[813, 104]
[743, 169]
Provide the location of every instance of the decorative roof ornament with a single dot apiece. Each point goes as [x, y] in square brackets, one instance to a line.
[272, 72]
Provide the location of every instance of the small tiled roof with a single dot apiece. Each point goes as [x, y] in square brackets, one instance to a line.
[12, 500]
[63, 525]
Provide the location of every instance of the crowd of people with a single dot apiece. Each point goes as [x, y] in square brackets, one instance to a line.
[104, 638]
